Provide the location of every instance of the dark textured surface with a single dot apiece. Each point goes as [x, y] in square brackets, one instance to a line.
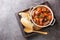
[9, 28]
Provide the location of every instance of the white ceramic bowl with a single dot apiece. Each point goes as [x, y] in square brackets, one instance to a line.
[50, 23]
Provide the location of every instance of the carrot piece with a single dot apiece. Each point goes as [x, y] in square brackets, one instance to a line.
[39, 9]
[36, 19]
[49, 17]
[45, 14]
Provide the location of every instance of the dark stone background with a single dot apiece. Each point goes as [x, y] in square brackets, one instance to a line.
[9, 27]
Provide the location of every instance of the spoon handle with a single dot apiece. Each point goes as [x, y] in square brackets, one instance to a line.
[41, 32]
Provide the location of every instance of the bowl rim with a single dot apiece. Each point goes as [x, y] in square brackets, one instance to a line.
[47, 8]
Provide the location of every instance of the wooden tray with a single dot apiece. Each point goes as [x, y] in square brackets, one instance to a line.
[21, 26]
